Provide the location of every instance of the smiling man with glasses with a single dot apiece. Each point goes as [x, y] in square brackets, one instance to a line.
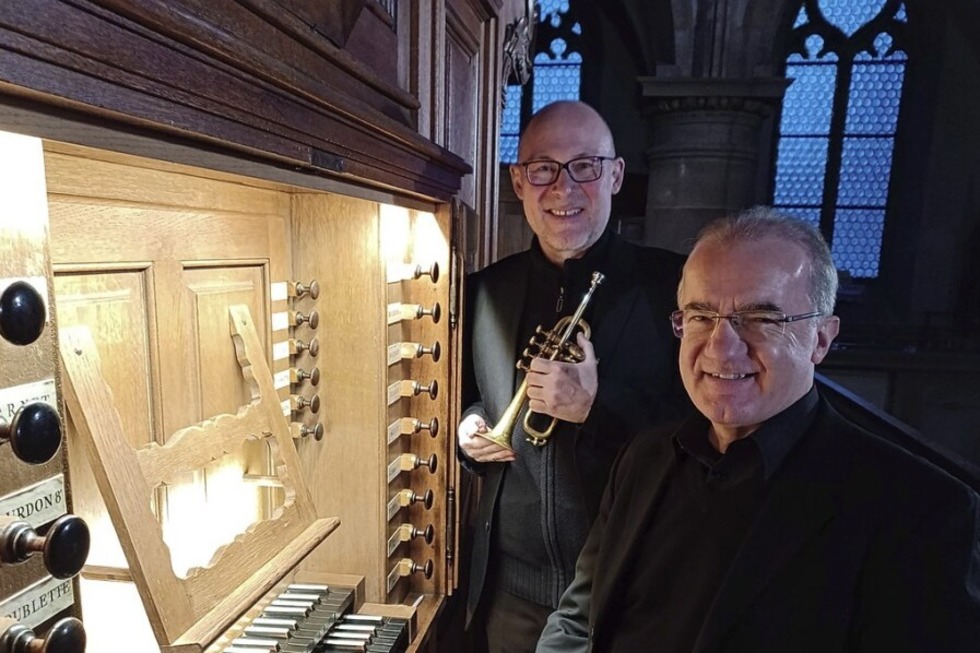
[537, 503]
[769, 523]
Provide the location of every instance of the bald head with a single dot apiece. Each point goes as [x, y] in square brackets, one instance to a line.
[549, 123]
[566, 215]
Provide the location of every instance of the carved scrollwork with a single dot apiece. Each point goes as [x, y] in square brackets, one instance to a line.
[518, 49]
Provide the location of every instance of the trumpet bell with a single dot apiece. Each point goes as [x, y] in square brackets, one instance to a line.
[501, 439]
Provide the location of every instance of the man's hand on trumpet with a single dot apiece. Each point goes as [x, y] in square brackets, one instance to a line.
[480, 449]
[562, 390]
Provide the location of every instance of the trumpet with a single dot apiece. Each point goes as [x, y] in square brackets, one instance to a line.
[554, 344]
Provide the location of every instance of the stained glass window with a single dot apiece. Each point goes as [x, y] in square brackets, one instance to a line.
[840, 114]
[557, 73]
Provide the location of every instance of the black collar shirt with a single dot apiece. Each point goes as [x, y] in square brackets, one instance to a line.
[708, 503]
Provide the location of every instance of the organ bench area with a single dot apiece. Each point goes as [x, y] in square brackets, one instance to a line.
[240, 390]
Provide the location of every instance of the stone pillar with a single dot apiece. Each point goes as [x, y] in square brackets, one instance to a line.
[704, 152]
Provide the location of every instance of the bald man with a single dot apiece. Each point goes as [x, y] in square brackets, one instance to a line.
[538, 502]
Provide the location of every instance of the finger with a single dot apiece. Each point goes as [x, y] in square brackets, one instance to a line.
[586, 346]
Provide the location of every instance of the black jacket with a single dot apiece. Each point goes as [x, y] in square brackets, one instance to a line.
[860, 547]
[639, 384]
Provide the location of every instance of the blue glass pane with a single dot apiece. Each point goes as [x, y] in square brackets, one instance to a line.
[800, 170]
[508, 148]
[882, 45]
[551, 10]
[510, 120]
[554, 82]
[510, 123]
[850, 15]
[808, 100]
[810, 215]
[865, 167]
[801, 18]
[875, 95]
[857, 241]
[813, 46]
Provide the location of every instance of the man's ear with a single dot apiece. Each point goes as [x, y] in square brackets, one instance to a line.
[618, 172]
[826, 333]
[517, 180]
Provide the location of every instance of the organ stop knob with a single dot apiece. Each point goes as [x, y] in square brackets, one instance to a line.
[65, 636]
[34, 432]
[22, 313]
[64, 547]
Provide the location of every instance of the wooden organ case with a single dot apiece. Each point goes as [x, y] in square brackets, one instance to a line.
[252, 240]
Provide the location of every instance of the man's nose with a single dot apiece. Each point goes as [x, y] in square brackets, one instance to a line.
[564, 180]
[724, 336]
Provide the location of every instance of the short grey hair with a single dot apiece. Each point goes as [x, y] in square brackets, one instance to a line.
[766, 222]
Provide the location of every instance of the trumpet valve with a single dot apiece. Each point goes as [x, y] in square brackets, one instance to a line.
[573, 353]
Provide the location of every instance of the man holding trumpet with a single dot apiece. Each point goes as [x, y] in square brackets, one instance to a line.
[543, 475]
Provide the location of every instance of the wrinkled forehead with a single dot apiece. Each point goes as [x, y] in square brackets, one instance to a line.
[747, 274]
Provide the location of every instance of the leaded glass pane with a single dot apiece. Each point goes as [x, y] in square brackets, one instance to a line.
[857, 240]
[800, 172]
[805, 106]
[510, 123]
[849, 15]
[814, 46]
[551, 11]
[875, 95]
[810, 215]
[865, 168]
[556, 81]
[801, 18]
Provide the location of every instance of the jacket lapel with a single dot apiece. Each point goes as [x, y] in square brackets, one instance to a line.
[805, 496]
[615, 299]
[624, 528]
[493, 340]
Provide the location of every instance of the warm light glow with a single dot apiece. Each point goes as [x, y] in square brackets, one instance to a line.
[114, 618]
[22, 185]
[395, 233]
[429, 243]
[206, 510]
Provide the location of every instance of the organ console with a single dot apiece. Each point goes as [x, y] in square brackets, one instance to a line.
[172, 236]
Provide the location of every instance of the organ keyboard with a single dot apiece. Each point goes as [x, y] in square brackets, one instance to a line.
[308, 617]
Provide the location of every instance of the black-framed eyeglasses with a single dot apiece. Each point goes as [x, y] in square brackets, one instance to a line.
[545, 171]
[750, 325]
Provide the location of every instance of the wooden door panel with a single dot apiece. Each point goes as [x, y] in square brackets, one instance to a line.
[153, 281]
[114, 305]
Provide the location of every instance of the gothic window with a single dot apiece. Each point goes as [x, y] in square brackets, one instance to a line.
[837, 132]
[556, 73]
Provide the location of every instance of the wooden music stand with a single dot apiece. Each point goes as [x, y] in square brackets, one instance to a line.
[186, 614]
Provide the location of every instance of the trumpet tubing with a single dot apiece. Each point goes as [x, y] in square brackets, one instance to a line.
[552, 344]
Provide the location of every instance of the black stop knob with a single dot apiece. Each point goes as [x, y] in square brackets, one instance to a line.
[22, 313]
[34, 432]
[66, 546]
[65, 636]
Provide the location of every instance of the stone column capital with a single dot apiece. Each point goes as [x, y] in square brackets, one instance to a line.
[757, 95]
